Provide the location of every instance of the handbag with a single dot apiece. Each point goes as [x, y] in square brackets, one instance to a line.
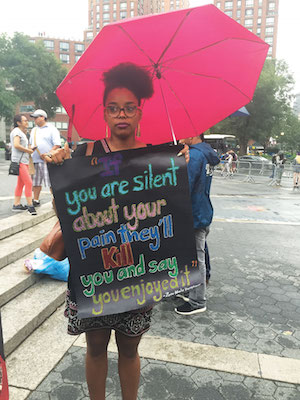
[14, 168]
[31, 168]
[53, 245]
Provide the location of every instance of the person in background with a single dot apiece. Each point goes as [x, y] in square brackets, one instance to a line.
[273, 166]
[296, 171]
[20, 154]
[280, 161]
[44, 137]
[202, 159]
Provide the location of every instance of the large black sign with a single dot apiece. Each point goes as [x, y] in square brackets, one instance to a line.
[127, 226]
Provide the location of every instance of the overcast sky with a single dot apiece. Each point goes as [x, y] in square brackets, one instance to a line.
[62, 19]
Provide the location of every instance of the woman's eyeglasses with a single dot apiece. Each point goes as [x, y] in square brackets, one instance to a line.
[114, 111]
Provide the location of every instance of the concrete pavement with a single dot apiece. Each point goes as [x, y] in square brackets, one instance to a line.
[246, 346]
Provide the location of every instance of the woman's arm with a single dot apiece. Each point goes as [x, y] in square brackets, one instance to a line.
[18, 146]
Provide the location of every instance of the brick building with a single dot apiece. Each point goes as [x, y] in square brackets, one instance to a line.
[103, 12]
[258, 16]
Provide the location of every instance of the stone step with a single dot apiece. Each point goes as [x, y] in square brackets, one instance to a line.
[23, 220]
[24, 313]
[14, 280]
[33, 360]
[18, 245]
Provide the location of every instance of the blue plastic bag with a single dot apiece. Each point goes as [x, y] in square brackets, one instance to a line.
[43, 264]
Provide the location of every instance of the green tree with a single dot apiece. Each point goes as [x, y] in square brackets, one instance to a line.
[31, 71]
[290, 133]
[268, 109]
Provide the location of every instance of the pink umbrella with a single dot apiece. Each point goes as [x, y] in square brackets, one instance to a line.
[204, 65]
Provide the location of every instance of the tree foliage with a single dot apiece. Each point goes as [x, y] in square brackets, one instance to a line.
[289, 138]
[268, 109]
[28, 73]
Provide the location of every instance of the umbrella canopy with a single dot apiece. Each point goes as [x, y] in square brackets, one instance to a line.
[242, 112]
[204, 67]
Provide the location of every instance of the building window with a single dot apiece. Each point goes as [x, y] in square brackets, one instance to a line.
[97, 8]
[259, 13]
[58, 125]
[26, 108]
[132, 4]
[105, 23]
[228, 4]
[31, 40]
[60, 110]
[270, 51]
[64, 46]
[123, 6]
[89, 35]
[218, 4]
[65, 58]
[79, 47]
[114, 6]
[270, 21]
[249, 22]
[98, 25]
[260, 2]
[49, 44]
[229, 13]
[239, 4]
[269, 40]
[258, 21]
[123, 14]
[77, 57]
[249, 3]
[106, 16]
[238, 13]
[105, 7]
[114, 15]
[248, 12]
[271, 6]
[269, 30]
[64, 125]
[97, 17]
[258, 31]
[132, 13]
[238, 20]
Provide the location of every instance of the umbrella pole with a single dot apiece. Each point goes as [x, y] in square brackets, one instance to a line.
[168, 114]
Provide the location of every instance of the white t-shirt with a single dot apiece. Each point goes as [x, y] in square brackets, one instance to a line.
[17, 155]
[46, 137]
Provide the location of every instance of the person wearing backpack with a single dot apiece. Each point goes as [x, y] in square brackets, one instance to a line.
[202, 159]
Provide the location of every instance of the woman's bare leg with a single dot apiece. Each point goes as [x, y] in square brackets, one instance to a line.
[96, 362]
[129, 365]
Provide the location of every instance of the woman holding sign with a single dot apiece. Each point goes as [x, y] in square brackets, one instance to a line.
[125, 86]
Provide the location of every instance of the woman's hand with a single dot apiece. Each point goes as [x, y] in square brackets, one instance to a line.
[186, 152]
[58, 156]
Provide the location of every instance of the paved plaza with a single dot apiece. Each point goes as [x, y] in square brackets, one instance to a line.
[247, 344]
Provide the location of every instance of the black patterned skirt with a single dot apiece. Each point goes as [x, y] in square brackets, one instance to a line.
[130, 323]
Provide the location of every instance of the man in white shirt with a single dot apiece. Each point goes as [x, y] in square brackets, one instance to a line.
[44, 137]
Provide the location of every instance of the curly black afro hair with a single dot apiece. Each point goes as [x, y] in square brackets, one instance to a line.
[129, 76]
